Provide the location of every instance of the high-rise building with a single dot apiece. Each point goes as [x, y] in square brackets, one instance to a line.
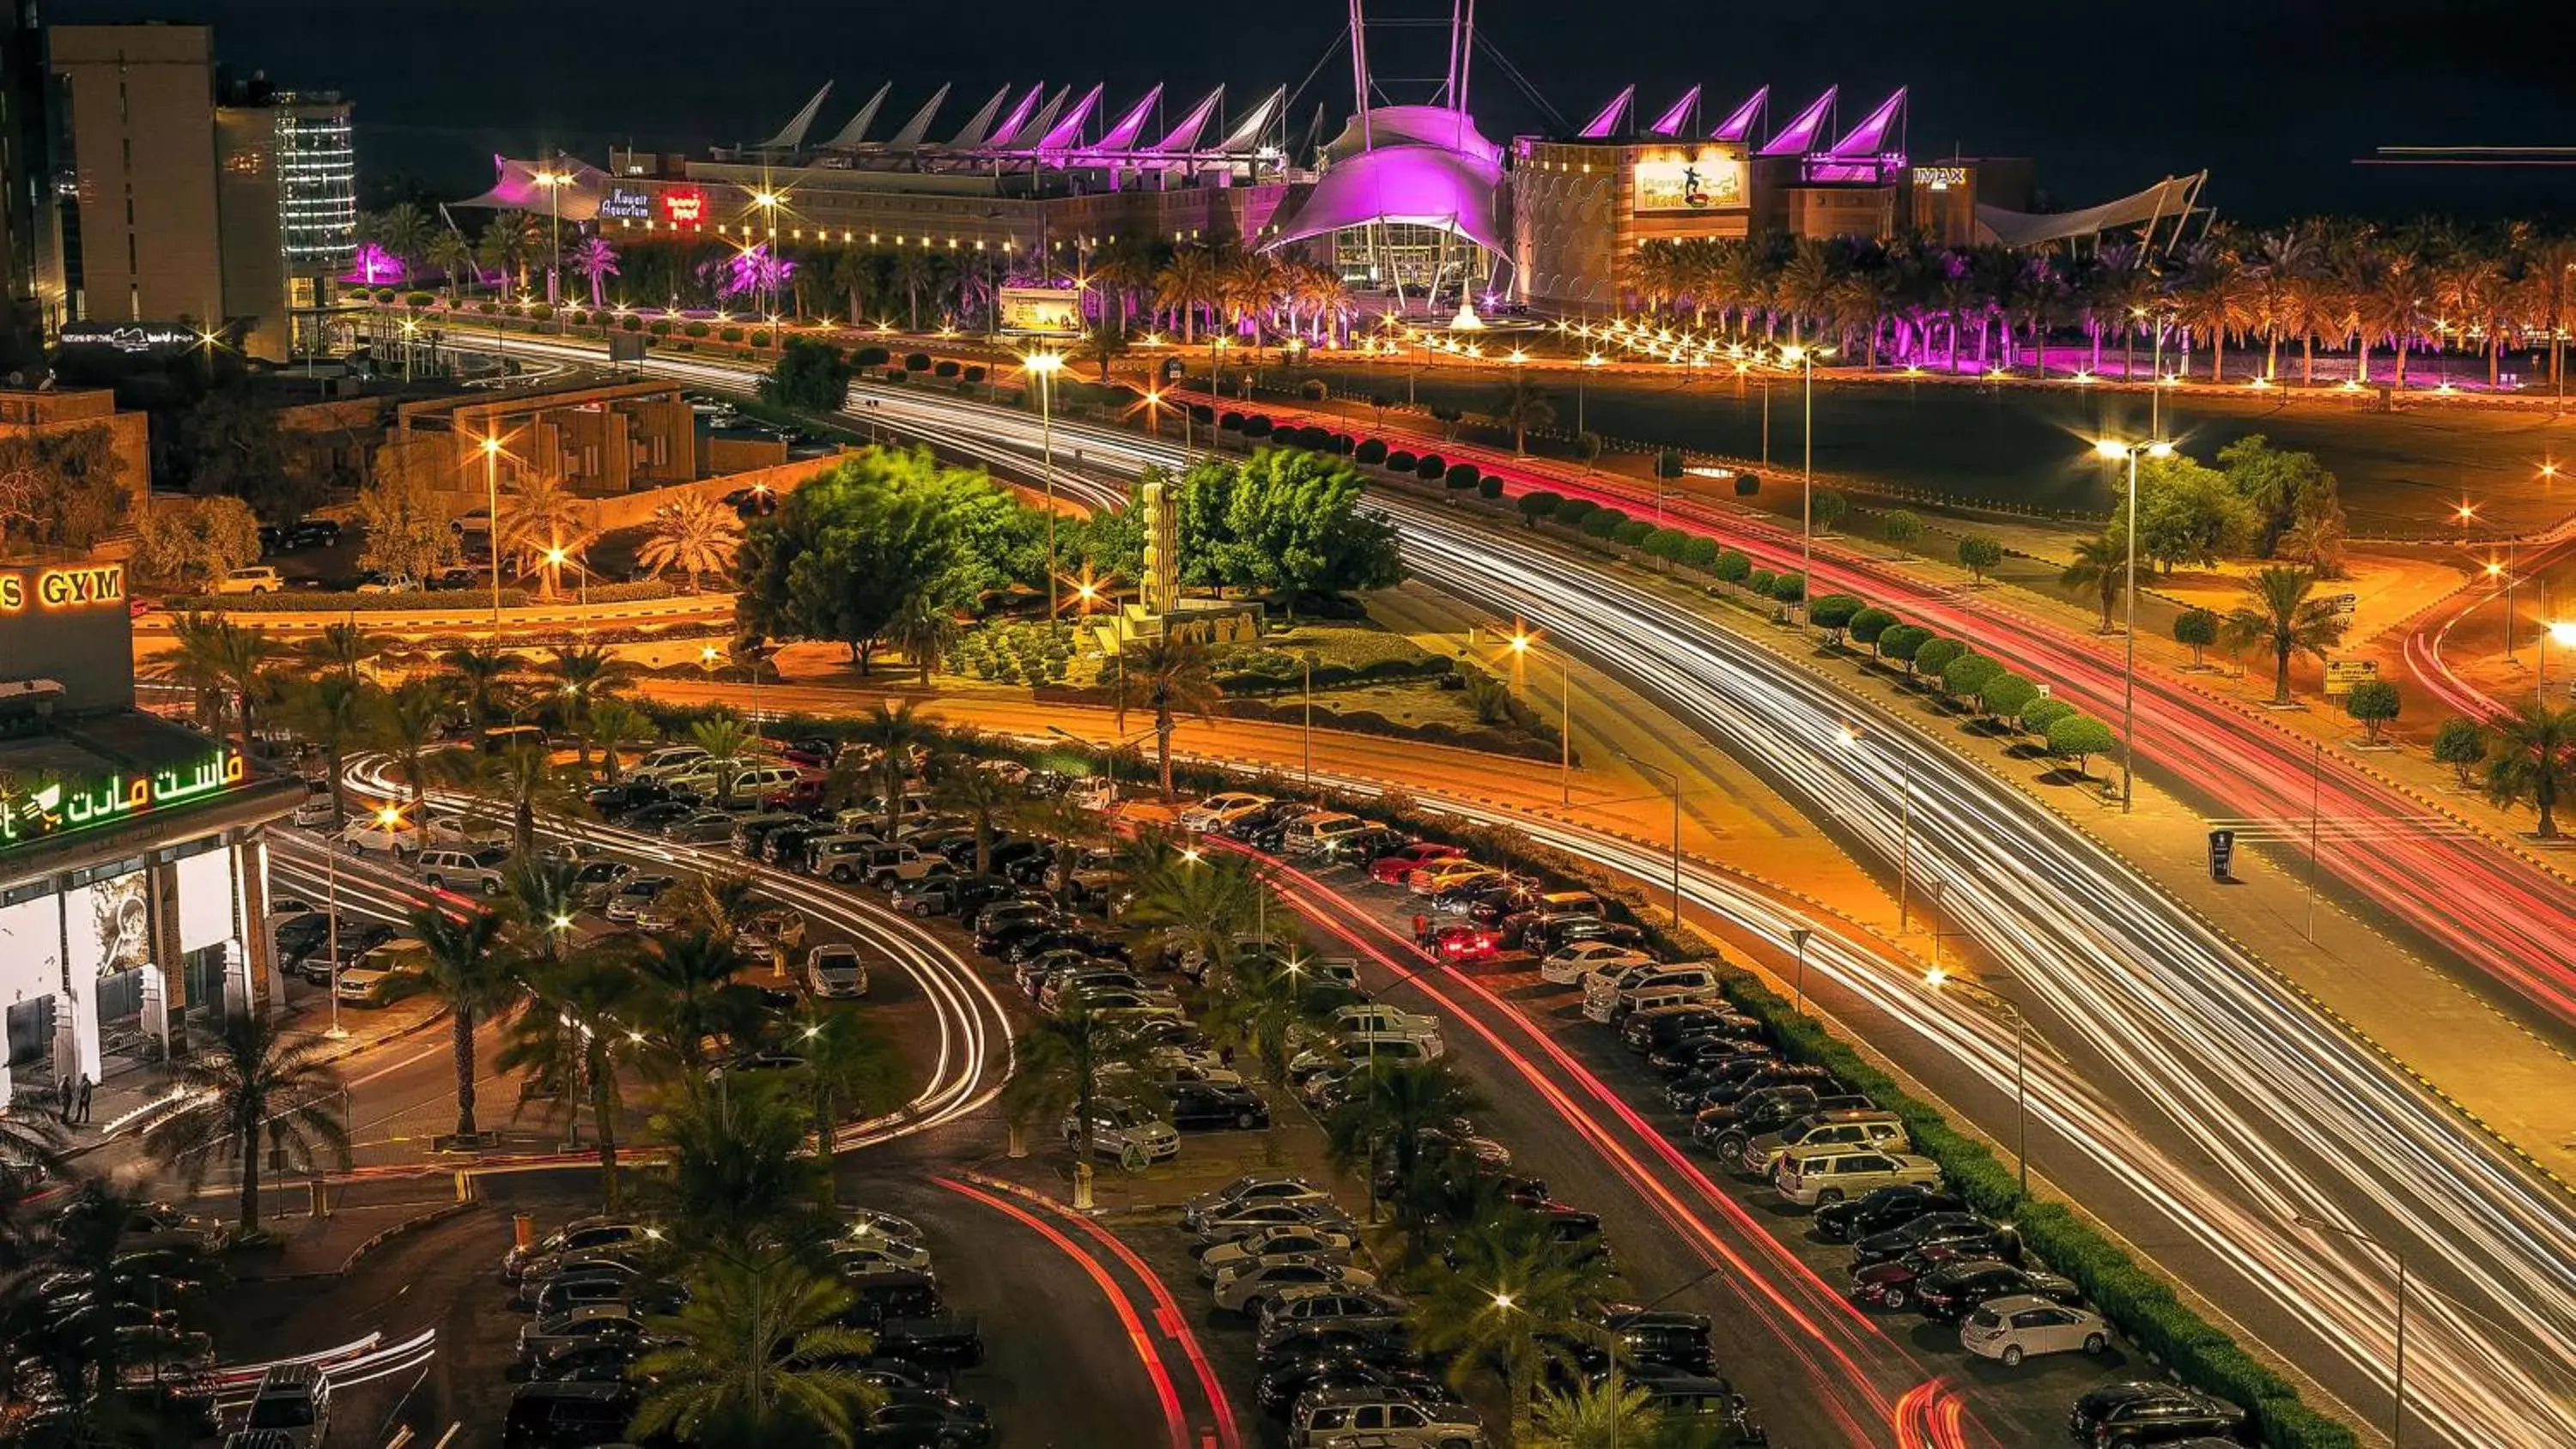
[26, 191]
[192, 201]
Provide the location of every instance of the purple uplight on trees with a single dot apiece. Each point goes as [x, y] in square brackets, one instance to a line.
[375, 266]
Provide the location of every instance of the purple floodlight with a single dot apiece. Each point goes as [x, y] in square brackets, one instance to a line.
[1739, 126]
[375, 266]
[1670, 123]
[1606, 124]
[1800, 136]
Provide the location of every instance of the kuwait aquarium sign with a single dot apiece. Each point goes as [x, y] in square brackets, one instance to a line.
[63, 807]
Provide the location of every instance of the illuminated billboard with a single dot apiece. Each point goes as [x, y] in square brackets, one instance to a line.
[1053, 310]
[74, 586]
[1708, 178]
[36, 809]
[684, 208]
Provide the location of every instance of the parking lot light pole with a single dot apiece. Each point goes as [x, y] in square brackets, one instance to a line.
[1939, 980]
[2114, 448]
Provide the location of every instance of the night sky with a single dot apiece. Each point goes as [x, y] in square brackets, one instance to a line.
[2274, 97]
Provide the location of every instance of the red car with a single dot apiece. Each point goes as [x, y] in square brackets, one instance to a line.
[1891, 1284]
[1392, 869]
[805, 795]
[1462, 944]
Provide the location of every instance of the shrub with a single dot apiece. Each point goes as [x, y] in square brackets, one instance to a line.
[385, 294]
[1826, 508]
[2004, 695]
[1603, 522]
[629, 323]
[1668, 464]
[1867, 625]
[1747, 484]
[1899, 641]
[730, 334]
[1788, 587]
[1733, 566]
[487, 308]
[1432, 468]
[419, 300]
[1344, 444]
[1313, 390]
[2077, 737]
[1979, 552]
[1834, 613]
[1464, 475]
[1902, 527]
[1631, 533]
[1489, 487]
[1934, 655]
[1573, 511]
[1230, 422]
[2374, 702]
[760, 338]
[1964, 676]
[1700, 552]
[2460, 743]
[1400, 461]
[945, 367]
[896, 375]
[870, 356]
[1369, 453]
[1760, 582]
[696, 328]
[2039, 714]
[1257, 426]
[1202, 413]
[916, 362]
[660, 327]
[974, 373]
[1536, 504]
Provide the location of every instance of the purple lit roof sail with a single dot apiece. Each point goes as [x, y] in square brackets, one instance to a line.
[1011, 123]
[1799, 137]
[1606, 124]
[1185, 136]
[980, 125]
[1122, 136]
[1068, 132]
[1413, 185]
[1038, 125]
[516, 188]
[1670, 123]
[1739, 126]
[1406, 126]
[1869, 138]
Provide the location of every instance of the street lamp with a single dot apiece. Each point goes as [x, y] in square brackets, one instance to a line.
[1045, 365]
[2397, 1412]
[1804, 359]
[2114, 448]
[1937, 980]
[1904, 824]
[554, 182]
[1521, 641]
[490, 448]
[2562, 632]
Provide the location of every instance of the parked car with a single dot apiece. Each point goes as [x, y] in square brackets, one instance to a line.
[836, 971]
[568, 1415]
[1326, 1242]
[700, 827]
[1812, 1176]
[1124, 1131]
[360, 983]
[2136, 1413]
[579, 1235]
[1890, 1282]
[627, 796]
[259, 580]
[1875, 1129]
[1321, 1306]
[658, 765]
[1251, 1218]
[1949, 1292]
[1966, 1232]
[653, 817]
[1250, 1190]
[1389, 1421]
[1878, 1211]
[1398, 865]
[637, 893]
[1572, 965]
[1446, 874]
[770, 935]
[1246, 1290]
[1217, 811]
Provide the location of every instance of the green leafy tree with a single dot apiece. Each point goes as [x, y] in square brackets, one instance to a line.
[344, 648]
[1394, 1115]
[487, 676]
[2531, 759]
[1536, 504]
[98, 1310]
[406, 725]
[2459, 743]
[1834, 614]
[2196, 629]
[687, 997]
[219, 658]
[755, 1357]
[1869, 626]
[981, 795]
[2100, 564]
[810, 375]
[228, 445]
[2279, 485]
[727, 741]
[1587, 446]
[461, 967]
[254, 1096]
[1063, 1061]
[1287, 521]
[192, 544]
[1980, 552]
[2374, 703]
[405, 517]
[1514, 1296]
[2282, 617]
[522, 779]
[1191, 900]
[1733, 567]
[893, 733]
[1965, 677]
[1826, 508]
[1605, 1415]
[2005, 695]
[1522, 406]
[582, 677]
[1899, 641]
[615, 724]
[1934, 655]
[1668, 464]
[695, 534]
[1263, 1008]
[2189, 514]
[737, 1173]
[1903, 527]
[63, 490]
[848, 1065]
[2079, 736]
[336, 712]
[2039, 714]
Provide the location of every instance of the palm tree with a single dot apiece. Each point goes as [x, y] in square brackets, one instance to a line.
[218, 656]
[523, 777]
[345, 647]
[571, 1041]
[1193, 901]
[544, 895]
[914, 272]
[253, 1096]
[981, 795]
[1513, 1295]
[334, 711]
[697, 535]
[545, 525]
[752, 1358]
[485, 672]
[685, 987]
[893, 732]
[1396, 1108]
[460, 968]
[615, 724]
[1061, 1061]
[1524, 406]
[595, 259]
[1186, 284]
[2099, 565]
[453, 256]
[404, 231]
[2284, 619]
[1169, 676]
[1263, 1008]
[406, 726]
[726, 741]
[585, 676]
[1606, 1415]
[2531, 755]
[93, 1307]
[847, 1066]
[922, 631]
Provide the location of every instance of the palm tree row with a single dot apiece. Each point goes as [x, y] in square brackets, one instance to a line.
[2325, 282]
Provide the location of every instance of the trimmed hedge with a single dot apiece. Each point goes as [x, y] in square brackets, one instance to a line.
[1631, 532]
[916, 362]
[1370, 452]
[1432, 468]
[1601, 522]
[1489, 486]
[1572, 511]
[1463, 475]
[327, 602]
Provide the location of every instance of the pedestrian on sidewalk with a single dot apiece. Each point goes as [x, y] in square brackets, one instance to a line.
[1422, 930]
[86, 1087]
[63, 1099]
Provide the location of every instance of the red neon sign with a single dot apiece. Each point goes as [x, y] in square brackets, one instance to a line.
[684, 207]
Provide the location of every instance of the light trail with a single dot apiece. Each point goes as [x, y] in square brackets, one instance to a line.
[2291, 1114]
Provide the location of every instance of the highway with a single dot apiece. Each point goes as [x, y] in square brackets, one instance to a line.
[2271, 1112]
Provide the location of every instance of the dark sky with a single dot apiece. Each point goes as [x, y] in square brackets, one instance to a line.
[2274, 97]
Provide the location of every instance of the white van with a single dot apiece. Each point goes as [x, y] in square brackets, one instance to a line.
[1307, 835]
[1663, 986]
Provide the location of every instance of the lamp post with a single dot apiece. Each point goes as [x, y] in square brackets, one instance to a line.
[2397, 1387]
[1799, 936]
[1590, 360]
[1045, 365]
[1520, 645]
[1938, 980]
[2114, 448]
[554, 182]
[490, 448]
[1804, 359]
[1904, 829]
[2503, 573]
[1677, 827]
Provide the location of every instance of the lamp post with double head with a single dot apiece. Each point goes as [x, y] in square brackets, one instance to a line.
[1044, 366]
[1939, 979]
[1521, 642]
[2114, 448]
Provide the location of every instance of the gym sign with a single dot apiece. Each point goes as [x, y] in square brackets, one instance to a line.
[82, 586]
[58, 808]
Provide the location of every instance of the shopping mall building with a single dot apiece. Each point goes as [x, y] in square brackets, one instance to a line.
[132, 874]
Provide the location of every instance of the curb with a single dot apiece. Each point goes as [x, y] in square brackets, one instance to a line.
[434, 1216]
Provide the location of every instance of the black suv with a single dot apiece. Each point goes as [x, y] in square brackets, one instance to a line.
[1878, 1210]
[1203, 1106]
[2149, 1413]
[568, 1415]
[1953, 1291]
[1966, 1233]
[1724, 1129]
[1657, 1027]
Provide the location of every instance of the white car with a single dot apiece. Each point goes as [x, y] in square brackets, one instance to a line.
[1218, 811]
[836, 971]
[315, 808]
[1243, 1222]
[1253, 1189]
[251, 581]
[461, 832]
[2012, 1329]
[668, 760]
[868, 1223]
[1124, 1131]
[1244, 1290]
[365, 832]
[1330, 1242]
[874, 1257]
[1571, 965]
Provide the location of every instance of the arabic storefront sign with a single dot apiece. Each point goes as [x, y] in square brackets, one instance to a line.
[79, 586]
[60, 807]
